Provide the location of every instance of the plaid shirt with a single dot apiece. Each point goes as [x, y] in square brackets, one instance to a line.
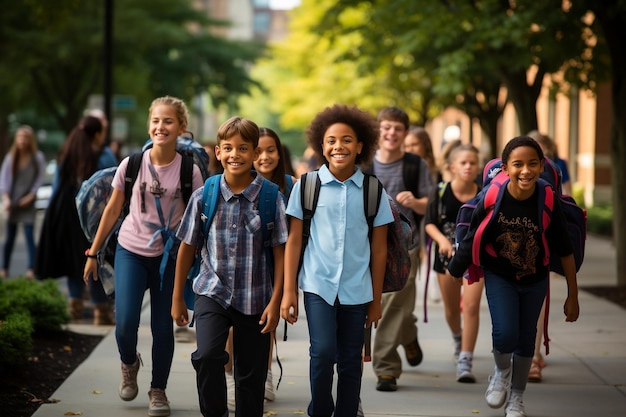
[234, 270]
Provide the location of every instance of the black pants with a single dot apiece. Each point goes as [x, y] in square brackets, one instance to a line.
[251, 351]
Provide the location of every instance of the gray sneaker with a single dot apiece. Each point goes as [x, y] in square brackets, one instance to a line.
[464, 370]
[159, 405]
[128, 386]
[456, 343]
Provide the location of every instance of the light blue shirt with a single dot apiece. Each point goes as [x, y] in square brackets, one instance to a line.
[336, 262]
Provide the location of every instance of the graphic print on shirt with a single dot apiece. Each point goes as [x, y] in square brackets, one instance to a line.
[518, 243]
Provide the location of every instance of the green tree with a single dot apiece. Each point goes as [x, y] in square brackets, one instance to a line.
[52, 55]
[473, 48]
[310, 70]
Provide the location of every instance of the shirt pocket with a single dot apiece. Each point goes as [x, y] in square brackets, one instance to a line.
[252, 221]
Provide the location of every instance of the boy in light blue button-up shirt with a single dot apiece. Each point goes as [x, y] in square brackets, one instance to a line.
[342, 273]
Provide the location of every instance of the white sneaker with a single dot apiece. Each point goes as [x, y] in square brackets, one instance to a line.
[515, 406]
[464, 370]
[230, 391]
[269, 387]
[498, 389]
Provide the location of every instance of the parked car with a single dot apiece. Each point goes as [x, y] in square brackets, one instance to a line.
[45, 191]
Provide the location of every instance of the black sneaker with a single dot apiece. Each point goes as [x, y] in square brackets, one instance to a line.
[386, 383]
[414, 353]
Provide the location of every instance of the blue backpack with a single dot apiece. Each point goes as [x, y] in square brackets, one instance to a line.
[95, 192]
[210, 198]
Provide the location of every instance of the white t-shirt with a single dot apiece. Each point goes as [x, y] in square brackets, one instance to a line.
[140, 227]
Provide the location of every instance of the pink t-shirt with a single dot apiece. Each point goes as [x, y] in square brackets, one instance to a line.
[136, 231]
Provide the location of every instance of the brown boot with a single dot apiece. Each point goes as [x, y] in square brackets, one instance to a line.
[75, 308]
[102, 315]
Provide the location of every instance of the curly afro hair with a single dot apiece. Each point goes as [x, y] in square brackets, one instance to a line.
[360, 121]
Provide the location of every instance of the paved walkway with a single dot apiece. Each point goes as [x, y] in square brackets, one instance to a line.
[585, 376]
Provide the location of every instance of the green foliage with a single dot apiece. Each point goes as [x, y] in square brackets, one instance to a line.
[41, 300]
[578, 194]
[52, 57]
[600, 220]
[15, 340]
[425, 55]
[27, 306]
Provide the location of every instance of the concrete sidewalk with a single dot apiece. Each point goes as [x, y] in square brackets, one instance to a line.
[585, 376]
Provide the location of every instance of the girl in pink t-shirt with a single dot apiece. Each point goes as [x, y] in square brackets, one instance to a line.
[140, 249]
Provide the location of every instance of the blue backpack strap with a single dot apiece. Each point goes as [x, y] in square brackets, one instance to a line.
[288, 186]
[267, 211]
[210, 195]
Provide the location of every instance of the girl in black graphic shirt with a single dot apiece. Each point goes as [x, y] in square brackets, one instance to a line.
[516, 280]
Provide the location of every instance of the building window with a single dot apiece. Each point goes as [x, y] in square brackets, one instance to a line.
[262, 4]
[262, 21]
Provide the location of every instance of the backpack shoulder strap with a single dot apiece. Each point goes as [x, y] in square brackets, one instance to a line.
[545, 210]
[491, 203]
[309, 195]
[372, 193]
[288, 185]
[210, 195]
[132, 170]
[186, 176]
[267, 209]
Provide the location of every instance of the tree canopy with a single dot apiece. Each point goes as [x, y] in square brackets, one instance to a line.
[422, 55]
[52, 56]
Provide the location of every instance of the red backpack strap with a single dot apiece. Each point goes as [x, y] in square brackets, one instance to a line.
[545, 211]
[546, 338]
[490, 203]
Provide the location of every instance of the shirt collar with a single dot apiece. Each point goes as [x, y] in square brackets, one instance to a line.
[326, 176]
[250, 193]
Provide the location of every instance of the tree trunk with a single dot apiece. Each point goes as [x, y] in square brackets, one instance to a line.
[487, 110]
[612, 19]
[524, 97]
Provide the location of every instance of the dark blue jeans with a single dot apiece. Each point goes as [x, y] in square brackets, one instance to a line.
[251, 349]
[514, 310]
[9, 243]
[134, 274]
[336, 337]
[76, 288]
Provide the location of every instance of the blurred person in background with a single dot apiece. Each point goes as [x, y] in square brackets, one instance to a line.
[107, 157]
[62, 242]
[21, 175]
[418, 142]
[549, 149]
